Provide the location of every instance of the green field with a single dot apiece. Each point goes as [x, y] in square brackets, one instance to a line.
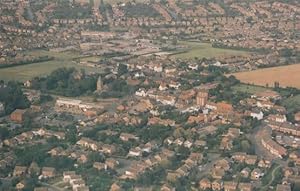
[27, 72]
[204, 50]
[251, 89]
[292, 103]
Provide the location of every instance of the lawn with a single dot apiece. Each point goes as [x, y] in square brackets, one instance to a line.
[27, 72]
[204, 50]
[246, 88]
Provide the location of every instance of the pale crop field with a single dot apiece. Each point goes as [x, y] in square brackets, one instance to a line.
[285, 75]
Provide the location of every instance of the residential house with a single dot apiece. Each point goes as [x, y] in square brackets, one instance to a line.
[230, 186]
[67, 175]
[245, 186]
[246, 172]
[264, 163]
[99, 166]
[21, 185]
[41, 189]
[18, 115]
[257, 114]
[48, 172]
[1, 108]
[135, 152]
[218, 173]
[256, 174]
[217, 185]
[281, 187]
[204, 184]
[128, 136]
[34, 169]
[20, 170]
[166, 187]
[251, 159]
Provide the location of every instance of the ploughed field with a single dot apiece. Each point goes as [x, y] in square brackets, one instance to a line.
[287, 76]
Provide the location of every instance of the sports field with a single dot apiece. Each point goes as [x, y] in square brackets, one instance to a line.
[285, 75]
[204, 50]
[29, 71]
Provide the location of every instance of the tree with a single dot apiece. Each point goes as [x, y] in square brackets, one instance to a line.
[122, 69]
[13, 98]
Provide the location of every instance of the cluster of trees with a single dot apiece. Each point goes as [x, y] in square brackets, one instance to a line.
[27, 61]
[139, 9]
[67, 82]
[11, 95]
[224, 91]
[67, 11]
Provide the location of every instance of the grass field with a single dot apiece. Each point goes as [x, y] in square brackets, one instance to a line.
[285, 75]
[26, 72]
[251, 89]
[204, 50]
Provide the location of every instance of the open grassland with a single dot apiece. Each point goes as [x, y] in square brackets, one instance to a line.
[285, 75]
[204, 50]
[29, 71]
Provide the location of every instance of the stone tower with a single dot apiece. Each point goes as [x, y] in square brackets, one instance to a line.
[202, 98]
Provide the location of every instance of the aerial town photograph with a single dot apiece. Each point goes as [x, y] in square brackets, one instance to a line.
[149, 95]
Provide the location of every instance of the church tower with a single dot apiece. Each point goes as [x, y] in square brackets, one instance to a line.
[202, 98]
